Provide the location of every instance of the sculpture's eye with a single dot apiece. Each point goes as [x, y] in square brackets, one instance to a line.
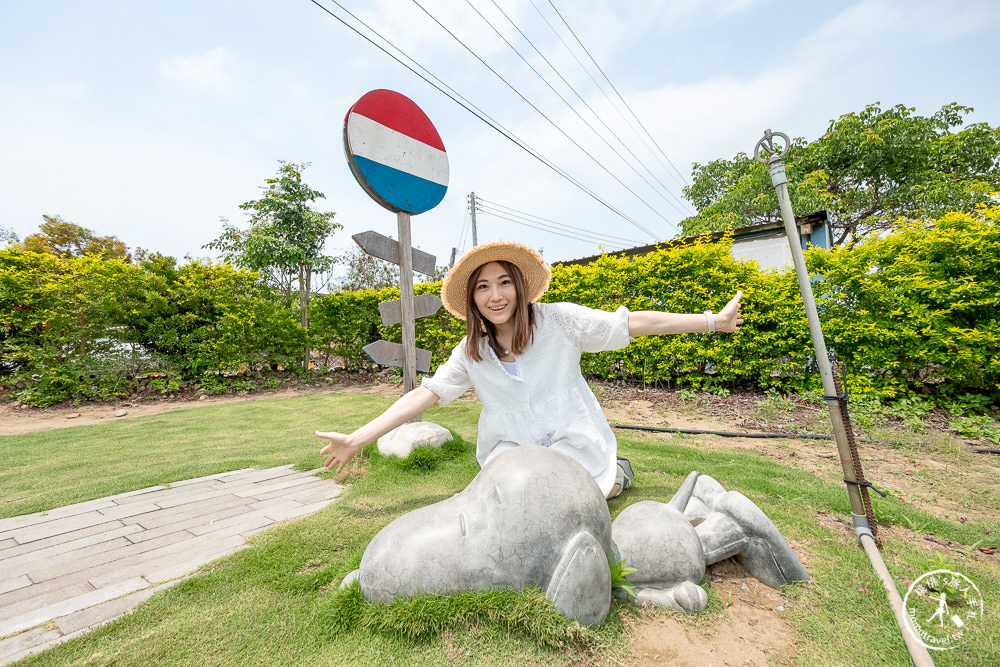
[461, 523]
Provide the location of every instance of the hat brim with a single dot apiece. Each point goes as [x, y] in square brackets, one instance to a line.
[536, 273]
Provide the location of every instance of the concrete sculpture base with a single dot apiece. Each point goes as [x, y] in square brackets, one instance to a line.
[402, 440]
[531, 517]
[671, 544]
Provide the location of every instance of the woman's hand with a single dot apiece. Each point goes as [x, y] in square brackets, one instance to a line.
[729, 319]
[340, 449]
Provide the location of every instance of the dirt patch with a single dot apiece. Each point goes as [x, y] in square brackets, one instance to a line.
[751, 630]
[16, 419]
[936, 472]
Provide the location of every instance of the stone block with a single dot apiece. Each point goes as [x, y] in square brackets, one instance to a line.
[403, 440]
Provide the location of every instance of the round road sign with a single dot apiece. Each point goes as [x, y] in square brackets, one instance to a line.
[395, 153]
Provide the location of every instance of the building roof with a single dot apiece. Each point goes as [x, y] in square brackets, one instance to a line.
[741, 233]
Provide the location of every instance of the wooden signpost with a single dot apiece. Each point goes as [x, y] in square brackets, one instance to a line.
[398, 158]
[386, 248]
[424, 305]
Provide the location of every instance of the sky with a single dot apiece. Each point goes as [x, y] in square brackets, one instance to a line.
[152, 122]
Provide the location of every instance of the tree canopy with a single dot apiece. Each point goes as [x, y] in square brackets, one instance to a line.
[869, 170]
[286, 239]
[365, 271]
[68, 239]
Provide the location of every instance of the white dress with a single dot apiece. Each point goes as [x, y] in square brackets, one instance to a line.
[547, 402]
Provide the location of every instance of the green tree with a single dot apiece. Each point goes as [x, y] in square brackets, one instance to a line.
[7, 235]
[68, 239]
[286, 237]
[869, 170]
[366, 272]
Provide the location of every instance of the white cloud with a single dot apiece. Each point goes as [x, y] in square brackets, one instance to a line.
[216, 69]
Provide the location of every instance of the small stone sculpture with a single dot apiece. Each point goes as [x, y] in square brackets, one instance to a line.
[531, 517]
[670, 544]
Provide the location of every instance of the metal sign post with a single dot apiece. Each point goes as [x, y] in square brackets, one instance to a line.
[769, 153]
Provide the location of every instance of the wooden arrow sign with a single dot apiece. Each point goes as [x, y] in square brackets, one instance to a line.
[423, 306]
[385, 248]
[391, 354]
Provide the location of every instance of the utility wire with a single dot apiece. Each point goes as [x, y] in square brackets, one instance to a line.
[454, 96]
[614, 105]
[683, 180]
[551, 122]
[466, 219]
[527, 222]
[573, 109]
[551, 231]
[540, 220]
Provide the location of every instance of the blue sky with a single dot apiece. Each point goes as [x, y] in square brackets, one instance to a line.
[150, 121]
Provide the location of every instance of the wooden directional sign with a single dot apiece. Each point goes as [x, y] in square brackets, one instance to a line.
[391, 354]
[385, 248]
[423, 306]
[395, 153]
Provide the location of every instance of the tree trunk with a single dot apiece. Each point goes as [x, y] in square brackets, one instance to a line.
[305, 278]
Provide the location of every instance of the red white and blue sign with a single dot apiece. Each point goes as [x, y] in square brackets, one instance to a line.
[395, 153]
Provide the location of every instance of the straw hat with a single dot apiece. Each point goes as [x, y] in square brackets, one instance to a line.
[454, 290]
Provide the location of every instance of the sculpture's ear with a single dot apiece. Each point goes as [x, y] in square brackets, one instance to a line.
[580, 586]
[683, 495]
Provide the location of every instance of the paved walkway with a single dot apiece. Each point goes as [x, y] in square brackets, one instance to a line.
[71, 569]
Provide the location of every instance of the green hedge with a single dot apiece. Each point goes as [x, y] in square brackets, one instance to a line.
[912, 311]
[85, 328]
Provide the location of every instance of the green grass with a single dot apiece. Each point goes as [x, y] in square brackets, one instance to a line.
[64, 466]
[278, 602]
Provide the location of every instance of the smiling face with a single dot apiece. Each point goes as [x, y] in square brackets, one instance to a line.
[495, 295]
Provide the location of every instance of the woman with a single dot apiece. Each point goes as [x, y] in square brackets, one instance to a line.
[523, 359]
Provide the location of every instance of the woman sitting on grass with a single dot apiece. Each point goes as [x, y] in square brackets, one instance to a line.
[523, 359]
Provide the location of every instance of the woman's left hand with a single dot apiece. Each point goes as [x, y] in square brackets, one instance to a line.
[729, 319]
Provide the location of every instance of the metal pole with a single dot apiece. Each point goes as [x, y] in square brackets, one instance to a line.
[769, 154]
[780, 182]
[406, 302]
[472, 209]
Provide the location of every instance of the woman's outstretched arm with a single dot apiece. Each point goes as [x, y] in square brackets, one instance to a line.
[648, 322]
[343, 446]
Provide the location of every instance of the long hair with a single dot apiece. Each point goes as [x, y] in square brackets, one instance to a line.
[478, 327]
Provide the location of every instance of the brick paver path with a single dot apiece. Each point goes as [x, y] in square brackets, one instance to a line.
[68, 570]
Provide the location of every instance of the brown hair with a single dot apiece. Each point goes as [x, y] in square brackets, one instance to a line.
[478, 327]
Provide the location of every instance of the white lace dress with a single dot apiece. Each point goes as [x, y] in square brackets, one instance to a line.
[546, 402]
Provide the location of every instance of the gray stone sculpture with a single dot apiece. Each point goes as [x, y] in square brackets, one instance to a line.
[535, 517]
[531, 517]
[671, 544]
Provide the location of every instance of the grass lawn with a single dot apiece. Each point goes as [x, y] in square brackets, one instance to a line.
[278, 601]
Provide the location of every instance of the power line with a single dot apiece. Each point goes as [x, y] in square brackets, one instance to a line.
[558, 225]
[551, 122]
[570, 106]
[578, 41]
[575, 237]
[461, 235]
[454, 96]
[584, 102]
